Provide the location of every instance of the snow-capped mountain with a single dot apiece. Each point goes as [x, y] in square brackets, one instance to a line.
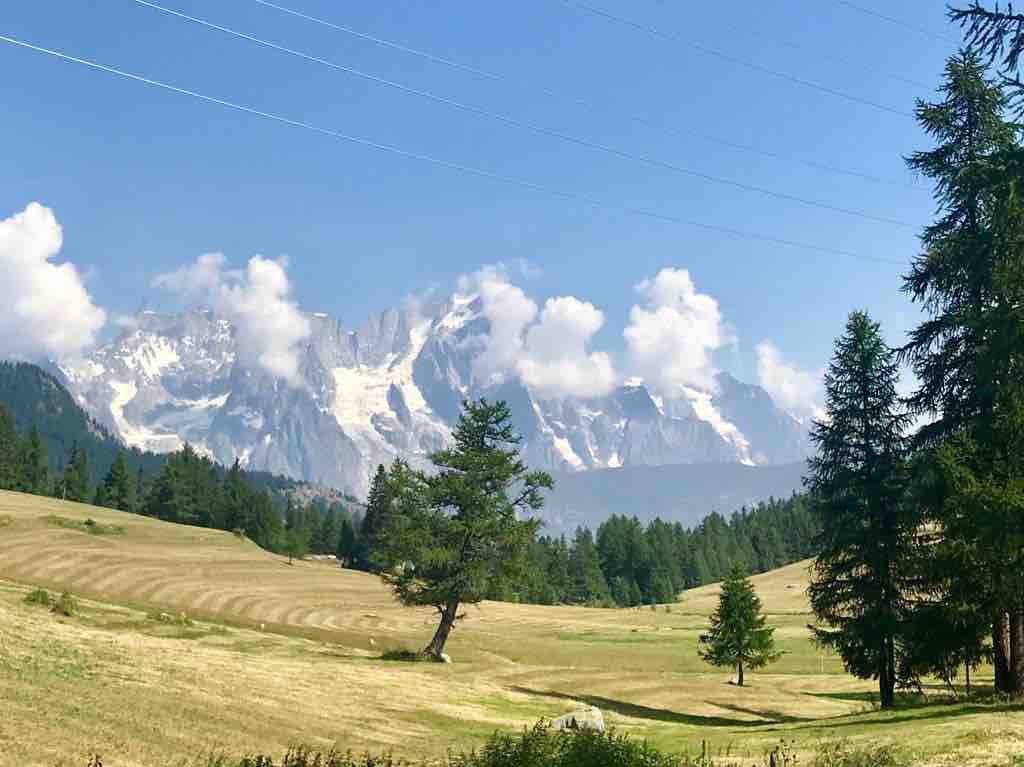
[395, 387]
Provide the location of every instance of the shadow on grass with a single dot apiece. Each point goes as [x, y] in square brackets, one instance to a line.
[903, 715]
[637, 711]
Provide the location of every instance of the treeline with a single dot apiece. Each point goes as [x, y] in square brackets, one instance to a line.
[626, 563]
[185, 488]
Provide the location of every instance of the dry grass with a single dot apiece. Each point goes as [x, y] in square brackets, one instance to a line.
[140, 691]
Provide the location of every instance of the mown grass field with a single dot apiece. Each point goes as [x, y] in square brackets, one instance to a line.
[280, 654]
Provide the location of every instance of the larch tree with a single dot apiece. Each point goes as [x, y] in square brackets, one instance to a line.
[454, 534]
[968, 353]
[858, 488]
[739, 636]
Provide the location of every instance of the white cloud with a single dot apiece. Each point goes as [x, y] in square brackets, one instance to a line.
[508, 311]
[255, 300]
[671, 339]
[555, 361]
[550, 353]
[795, 390]
[45, 308]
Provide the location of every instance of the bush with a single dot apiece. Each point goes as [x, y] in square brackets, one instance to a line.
[174, 620]
[39, 597]
[409, 656]
[536, 747]
[844, 754]
[67, 605]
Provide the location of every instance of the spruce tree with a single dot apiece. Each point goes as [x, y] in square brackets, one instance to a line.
[117, 484]
[858, 489]
[375, 518]
[968, 354]
[739, 635]
[35, 464]
[453, 534]
[346, 542]
[10, 470]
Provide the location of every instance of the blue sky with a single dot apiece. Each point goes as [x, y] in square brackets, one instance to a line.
[144, 181]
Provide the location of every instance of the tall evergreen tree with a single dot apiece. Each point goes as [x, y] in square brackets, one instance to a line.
[857, 484]
[969, 351]
[451, 535]
[35, 464]
[118, 489]
[739, 635]
[588, 581]
[10, 470]
[74, 482]
[375, 519]
[346, 542]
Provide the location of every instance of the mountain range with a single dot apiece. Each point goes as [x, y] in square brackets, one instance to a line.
[394, 387]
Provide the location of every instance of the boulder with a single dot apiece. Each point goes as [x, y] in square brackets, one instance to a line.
[581, 719]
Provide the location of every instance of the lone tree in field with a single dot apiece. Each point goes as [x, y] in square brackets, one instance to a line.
[454, 534]
[740, 636]
[858, 487]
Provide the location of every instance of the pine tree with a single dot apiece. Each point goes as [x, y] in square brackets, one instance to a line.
[35, 464]
[739, 636]
[375, 518]
[346, 542]
[968, 353]
[10, 470]
[453, 534]
[117, 485]
[74, 482]
[588, 582]
[858, 488]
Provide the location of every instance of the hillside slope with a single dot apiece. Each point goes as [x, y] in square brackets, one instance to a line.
[117, 681]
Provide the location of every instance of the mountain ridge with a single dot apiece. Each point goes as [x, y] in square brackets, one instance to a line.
[393, 388]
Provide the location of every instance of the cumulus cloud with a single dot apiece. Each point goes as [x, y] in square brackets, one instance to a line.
[256, 300]
[549, 353]
[795, 390]
[45, 308]
[508, 311]
[671, 339]
[555, 361]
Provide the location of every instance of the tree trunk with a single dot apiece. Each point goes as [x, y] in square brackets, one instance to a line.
[1015, 679]
[435, 649]
[739, 674]
[967, 676]
[887, 674]
[1001, 651]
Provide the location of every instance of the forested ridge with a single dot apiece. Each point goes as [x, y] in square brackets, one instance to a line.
[49, 446]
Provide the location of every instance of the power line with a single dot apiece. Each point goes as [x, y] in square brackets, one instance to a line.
[532, 127]
[595, 106]
[737, 60]
[480, 173]
[898, 22]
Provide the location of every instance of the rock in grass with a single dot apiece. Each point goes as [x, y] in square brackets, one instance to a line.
[582, 719]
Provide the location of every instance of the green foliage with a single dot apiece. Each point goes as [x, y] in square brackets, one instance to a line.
[88, 525]
[451, 537]
[631, 564]
[66, 605]
[967, 355]
[375, 520]
[858, 487]
[739, 635]
[39, 597]
[535, 747]
[846, 754]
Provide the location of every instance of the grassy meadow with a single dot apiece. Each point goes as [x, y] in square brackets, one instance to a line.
[274, 654]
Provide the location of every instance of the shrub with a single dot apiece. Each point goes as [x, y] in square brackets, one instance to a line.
[175, 620]
[408, 656]
[844, 754]
[39, 597]
[67, 605]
